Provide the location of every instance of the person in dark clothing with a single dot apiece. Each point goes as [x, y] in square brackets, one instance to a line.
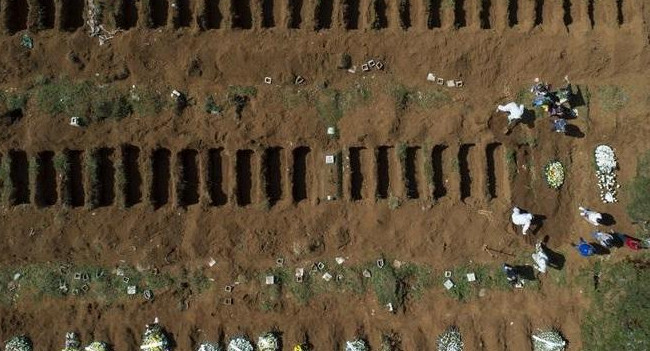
[513, 276]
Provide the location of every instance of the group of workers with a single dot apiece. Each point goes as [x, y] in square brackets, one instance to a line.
[603, 242]
[556, 103]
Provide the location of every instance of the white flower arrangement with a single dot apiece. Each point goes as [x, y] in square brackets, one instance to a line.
[154, 339]
[19, 343]
[239, 343]
[356, 345]
[450, 340]
[209, 346]
[72, 342]
[606, 172]
[554, 174]
[548, 340]
[268, 342]
[97, 346]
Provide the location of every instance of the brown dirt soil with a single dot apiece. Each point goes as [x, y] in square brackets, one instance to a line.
[495, 64]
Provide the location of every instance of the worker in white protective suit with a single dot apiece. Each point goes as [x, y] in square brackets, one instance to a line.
[515, 113]
[540, 258]
[590, 216]
[521, 218]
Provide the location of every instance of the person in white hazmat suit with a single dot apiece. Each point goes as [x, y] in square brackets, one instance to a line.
[590, 216]
[522, 219]
[540, 258]
[515, 113]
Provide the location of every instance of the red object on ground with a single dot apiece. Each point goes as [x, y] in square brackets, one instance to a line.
[633, 244]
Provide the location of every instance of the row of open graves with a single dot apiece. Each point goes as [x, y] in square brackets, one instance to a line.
[127, 176]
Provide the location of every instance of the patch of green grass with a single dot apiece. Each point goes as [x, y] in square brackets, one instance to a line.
[529, 140]
[638, 207]
[448, 4]
[401, 153]
[270, 296]
[7, 182]
[330, 107]
[394, 202]
[110, 104]
[463, 290]
[612, 98]
[83, 99]
[293, 97]
[198, 281]
[524, 96]
[417, 279]
[64, 96]
[430, 97]
[146, 102]
[14, 101]
[511, 162]
[619, 317]
[92, 169]
[558, 276]
[212, 107]
[402, 97]
[386, 286]
[428, 163]
[455, 165]
[242, 90]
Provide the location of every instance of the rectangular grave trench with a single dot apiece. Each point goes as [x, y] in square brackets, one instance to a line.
[46, 187]
[493, 158]
[102, 178]
[159, 10]
[72, 15]
[160, 177]
[619, 12]
[484, 14]
[132, 179]
[44, 14]
[433, 13]
[379, 16]
[240, 12]
[182, 14]
[438, 181]
[73, 187]
[215, 179]
[272, 173]
[383, 175]
[539, 12]
[211, 17]
[294, 10]
[464, 171]
[590, 12]
[323, 14]
[299, 173]
[356, 175]
[350, 13]
[460, 15]
[127, 15]
[187, 190]
[513, 13]
[404, 12]
[244, 178]
[15, 16]
[410, 172]
[268, 19]
[19, 175]
[566, 7]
